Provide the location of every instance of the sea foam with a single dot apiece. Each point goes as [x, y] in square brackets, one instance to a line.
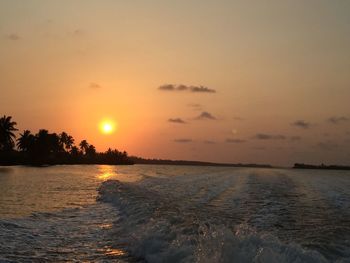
[160, 231]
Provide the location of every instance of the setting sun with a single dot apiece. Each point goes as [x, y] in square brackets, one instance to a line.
[107, 127]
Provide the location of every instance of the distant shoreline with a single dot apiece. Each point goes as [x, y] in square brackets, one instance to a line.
[138, 160]
[320, 167]
[20, 160]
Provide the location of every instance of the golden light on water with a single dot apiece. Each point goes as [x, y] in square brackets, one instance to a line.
[105, 176]
[105, 226]
[106, 172]
[113, 251]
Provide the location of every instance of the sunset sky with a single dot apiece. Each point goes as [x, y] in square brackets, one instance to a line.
[224, 81]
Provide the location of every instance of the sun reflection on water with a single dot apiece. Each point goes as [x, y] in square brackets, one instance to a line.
[111, 172]
[113, 251]
[106, 173]
[105, 176]
[105, 226]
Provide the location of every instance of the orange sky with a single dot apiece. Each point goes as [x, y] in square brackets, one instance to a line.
[279, 69]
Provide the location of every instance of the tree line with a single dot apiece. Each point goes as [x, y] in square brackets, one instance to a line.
[45, 148]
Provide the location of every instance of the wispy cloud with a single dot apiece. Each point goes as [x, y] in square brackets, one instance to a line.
[13, 37]
[264, 136]
[201, 89]
[94, 85]
[338, 119]
[167, 87]
[181, 87]
[206, 116]
[177, 120]
[235, 140]
[209, 142]
[183, 140]
[301, 124]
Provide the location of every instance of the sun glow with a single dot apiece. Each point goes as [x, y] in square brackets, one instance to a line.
[107, 127]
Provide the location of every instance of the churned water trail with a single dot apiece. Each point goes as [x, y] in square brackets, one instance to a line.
[174, 214]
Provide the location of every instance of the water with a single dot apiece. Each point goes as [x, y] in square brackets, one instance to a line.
[173, 214]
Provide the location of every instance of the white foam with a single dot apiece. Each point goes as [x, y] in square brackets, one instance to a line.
[157, 229]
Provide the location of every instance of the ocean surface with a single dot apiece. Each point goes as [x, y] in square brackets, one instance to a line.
[173, 214]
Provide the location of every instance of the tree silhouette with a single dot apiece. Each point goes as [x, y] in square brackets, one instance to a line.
[74, 151]
[84, 145]
[25, 141]
[66, 140]
[91, 151]
[45, 148]
[7, 136]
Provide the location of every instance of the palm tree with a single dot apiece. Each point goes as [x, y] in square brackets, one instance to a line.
[69, 142]
[25, 141]
[47, 143]
[42, 133]
[66, 140]
[7, 136]
[91, 151]
[42, 143]
[84, 145]
[54, 143]
[74, 151]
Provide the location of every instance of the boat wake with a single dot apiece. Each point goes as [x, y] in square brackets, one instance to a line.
[160, 228]
[183, 214]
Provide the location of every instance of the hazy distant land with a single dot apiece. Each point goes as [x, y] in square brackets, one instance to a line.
[321, 166]
[138, 160]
